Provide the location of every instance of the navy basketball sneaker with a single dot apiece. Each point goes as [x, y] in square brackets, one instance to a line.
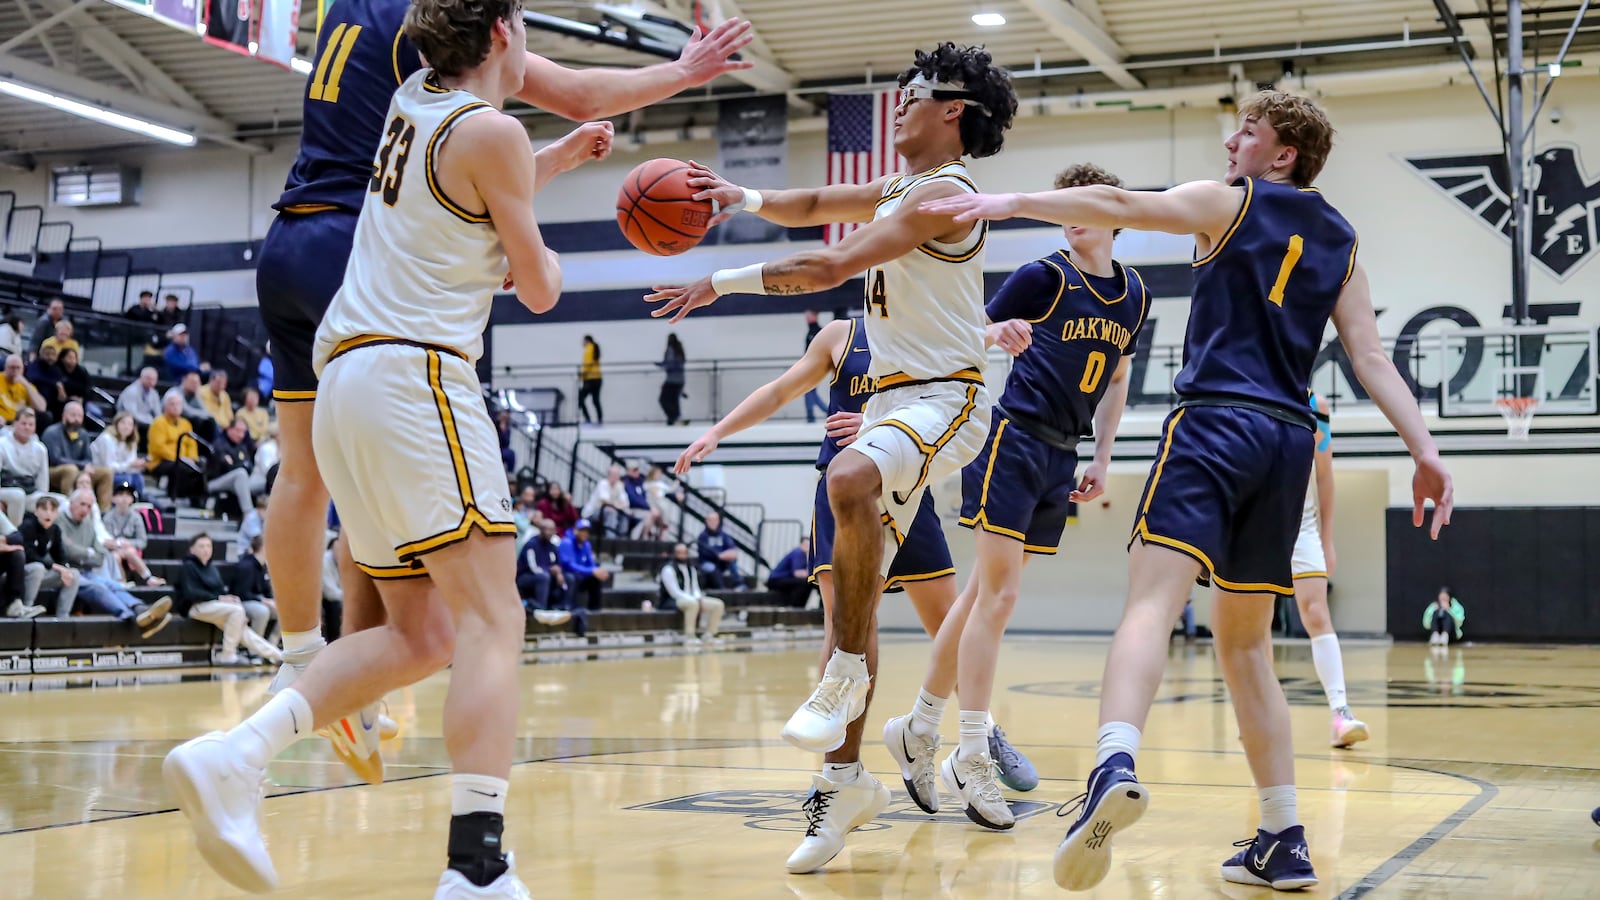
[1280, 861]
[1115, 799]
[1595, 815]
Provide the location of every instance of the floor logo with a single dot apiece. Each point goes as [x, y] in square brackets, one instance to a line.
[781, 810]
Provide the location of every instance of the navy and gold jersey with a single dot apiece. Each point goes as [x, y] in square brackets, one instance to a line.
[362, 57]
[1082, 327]
[1262, 299]
[851, 385]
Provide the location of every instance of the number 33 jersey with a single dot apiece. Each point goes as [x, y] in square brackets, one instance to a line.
[425, 266]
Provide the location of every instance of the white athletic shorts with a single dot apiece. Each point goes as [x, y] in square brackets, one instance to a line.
[1308, 560]
[409, 455]
[918, 435]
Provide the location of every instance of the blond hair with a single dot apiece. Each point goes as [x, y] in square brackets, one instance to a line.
[1298, 123]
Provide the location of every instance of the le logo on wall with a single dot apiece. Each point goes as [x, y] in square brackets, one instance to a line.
[1566, 206]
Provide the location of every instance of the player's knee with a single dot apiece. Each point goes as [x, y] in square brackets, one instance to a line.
[998, 601]
[853, 482]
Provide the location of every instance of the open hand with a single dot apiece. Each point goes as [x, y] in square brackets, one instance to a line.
[842, 427]
[680, 301]
[1092, 485]
[1432, 482]
[706, 56]
[728, 197]
[972, 207]
[695, 452]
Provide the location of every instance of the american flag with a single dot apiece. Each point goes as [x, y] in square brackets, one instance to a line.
[860, 144]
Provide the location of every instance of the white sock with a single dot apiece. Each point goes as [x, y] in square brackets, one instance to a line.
[1114, 738]
[284, 719]
[841, 773]
[1330, 668]
[477, 793]
[974, 732]
[852, 664]
[303, 643]
[927, 713]
[989, 723]
[1278, 812]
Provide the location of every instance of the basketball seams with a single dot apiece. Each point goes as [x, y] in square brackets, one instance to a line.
[659, 235]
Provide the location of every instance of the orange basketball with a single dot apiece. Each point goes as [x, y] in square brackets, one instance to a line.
[655, 210]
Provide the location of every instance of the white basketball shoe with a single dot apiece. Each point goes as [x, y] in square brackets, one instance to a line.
[221, 795]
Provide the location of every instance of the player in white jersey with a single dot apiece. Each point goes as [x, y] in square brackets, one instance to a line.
[407, 450]
[925, 323]
[1313, 565]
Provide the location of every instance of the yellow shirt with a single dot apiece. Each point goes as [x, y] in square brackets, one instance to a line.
[257, 419]
[164, 435]
[590, 370]
[13, 397]
[61, 346]
[220, 407]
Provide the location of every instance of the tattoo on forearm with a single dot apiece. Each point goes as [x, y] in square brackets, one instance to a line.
[787, 289]
[787, 277]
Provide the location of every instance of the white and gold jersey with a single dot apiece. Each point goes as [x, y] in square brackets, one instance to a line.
[424, 267]
[925, 317]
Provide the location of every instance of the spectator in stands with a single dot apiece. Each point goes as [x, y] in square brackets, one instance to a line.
[145, 310]
[75, 379]
[202, 595]
[266, 377]
[539, 578]
[583, 574]
[253, 586]
[165, 435]
[181, 358]
[590, 380]
[67, 443]
[639, 507]
[188, 391]
[153, 357]
[170, 313]
[10, 333]
[791, 577]
[62, 340]
[214, 397]
[141, 399]
[525, 513]
[45, 376]
[16, 393]
[116, 450]
[100, 593]
[13, 573]
[719, 558]
[557, 506]
[228, 468]
[671, 363]
[253, 526]
[46, 557]
[267, 454]
[126, 537]
[24, 466]
[665, 497]
[45, 327]
[680, 590]
[608, 502]
[502, 426]
[255, 416]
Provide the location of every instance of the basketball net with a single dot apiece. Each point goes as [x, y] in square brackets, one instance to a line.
[1518, 413]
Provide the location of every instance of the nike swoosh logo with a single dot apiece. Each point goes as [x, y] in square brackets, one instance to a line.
[1260, 862]
[861, 350]
[295, 721]
[484, 793]
[909, 757]
[1074, 287]
[960, 785]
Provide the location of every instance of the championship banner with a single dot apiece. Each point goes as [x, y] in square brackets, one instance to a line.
[183, 14]
[228, 24]
[276, 28]
[753, 151]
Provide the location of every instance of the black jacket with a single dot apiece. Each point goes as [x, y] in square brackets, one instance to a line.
[250, 580]
[227, 456]
[197, 584]
[39, 544]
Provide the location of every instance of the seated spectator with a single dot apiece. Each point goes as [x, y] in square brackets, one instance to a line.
[253, 586]
[680, 590]
[141, 399]
[539, 579]
[791, 577]
[202, 595]
[608, 503]
[24, 466]
[267, 453]
[10, 333]
[583, 575]
[62, 341]
[502, 426]
[85, 555]
[639, 503]
[557, 506]
[665, 496]
[16, 394]
[215, 400]
[332, 589]
[13, 573]
[188, 391]
[46, 557]
[145, 310]
[719, 558]
[116, 450]
[170, 313]
[1442, 617]
[525, 513]
[126, 537]
[75, 379]
[255, 416]
[46, 377]
[67, 444]
[45, 327]
[181, 358]
[165, 435]
[228, 468]
[253, 526]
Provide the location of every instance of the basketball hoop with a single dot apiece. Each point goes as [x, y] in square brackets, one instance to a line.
[1518, 413]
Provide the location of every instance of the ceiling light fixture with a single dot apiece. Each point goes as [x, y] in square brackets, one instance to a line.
[96, 113]
[988, 19]
[303, 66]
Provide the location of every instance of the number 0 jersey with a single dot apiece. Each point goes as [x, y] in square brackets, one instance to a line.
[925, 309]
[424, 267]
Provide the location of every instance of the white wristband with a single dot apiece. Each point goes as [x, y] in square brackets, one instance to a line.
[738, 281]
[752, 200]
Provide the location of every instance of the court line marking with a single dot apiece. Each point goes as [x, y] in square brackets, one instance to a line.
[1487, 791]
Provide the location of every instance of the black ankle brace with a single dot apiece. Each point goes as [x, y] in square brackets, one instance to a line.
[475, 846]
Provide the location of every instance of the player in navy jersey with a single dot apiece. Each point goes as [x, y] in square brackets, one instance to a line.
[922, 568]
[1273, 261]
[362, 57]
[1086, 311]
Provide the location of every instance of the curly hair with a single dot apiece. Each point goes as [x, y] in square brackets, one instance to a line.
[455, 35]
[1300, 124]
[1080, 174]
[986, 83]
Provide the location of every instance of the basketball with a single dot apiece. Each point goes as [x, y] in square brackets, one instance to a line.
[655, 210]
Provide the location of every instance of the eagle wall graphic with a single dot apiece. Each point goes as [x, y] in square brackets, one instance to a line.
[1566, 207]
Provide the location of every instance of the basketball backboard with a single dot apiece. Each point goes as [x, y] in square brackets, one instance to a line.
[1481, 368]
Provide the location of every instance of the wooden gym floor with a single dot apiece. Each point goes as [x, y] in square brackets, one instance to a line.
[664, 777]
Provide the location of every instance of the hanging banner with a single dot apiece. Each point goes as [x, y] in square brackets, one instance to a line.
[276, 29]
[183, 14]
[753, 151]
[228, 24]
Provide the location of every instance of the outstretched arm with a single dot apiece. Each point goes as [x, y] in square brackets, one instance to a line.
[793, 208]
[1204, 208]
[583, 94]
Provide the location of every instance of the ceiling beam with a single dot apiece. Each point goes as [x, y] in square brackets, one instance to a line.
[42, 26]
[1077, 30]
[143, 74]
[1091, 8]
[1475, 31]
[766, 75]
[44, 40]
